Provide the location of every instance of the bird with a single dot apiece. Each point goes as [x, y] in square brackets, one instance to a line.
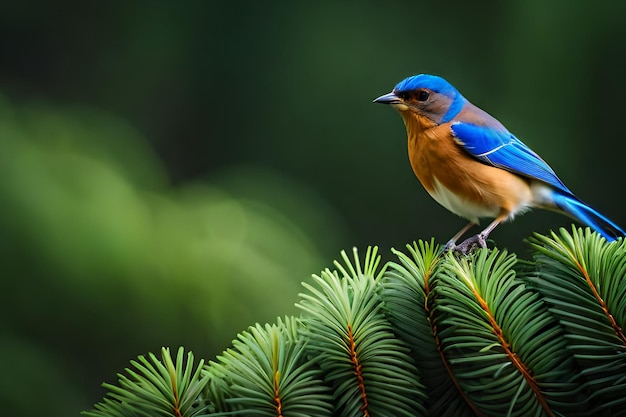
[473, 166]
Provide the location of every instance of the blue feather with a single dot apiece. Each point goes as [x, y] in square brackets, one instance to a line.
[454, 109]
[575, 208]
[432, 82]
[500, 148]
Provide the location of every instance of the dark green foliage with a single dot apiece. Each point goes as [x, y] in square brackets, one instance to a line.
[406, 284]
[583, 279]
[267, 373]
[156, 388]
[431, 334]
[504, 347]
[368, 367]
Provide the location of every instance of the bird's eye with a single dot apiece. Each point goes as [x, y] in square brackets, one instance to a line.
[422, 95]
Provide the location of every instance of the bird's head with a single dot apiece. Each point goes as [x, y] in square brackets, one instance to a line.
[426, 95]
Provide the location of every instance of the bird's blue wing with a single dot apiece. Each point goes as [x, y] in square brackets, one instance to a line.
[500, 148]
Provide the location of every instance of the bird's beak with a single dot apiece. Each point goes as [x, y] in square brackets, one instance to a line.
[390, 98]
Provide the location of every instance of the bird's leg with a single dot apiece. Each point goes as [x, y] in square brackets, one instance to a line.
[452, 242]
[480, 239]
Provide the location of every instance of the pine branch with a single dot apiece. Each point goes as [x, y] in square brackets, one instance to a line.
[583, 278]
[428, 334]
[497, 334]
[156, 387]
[267, 374]
[407, 284]
[369, 369]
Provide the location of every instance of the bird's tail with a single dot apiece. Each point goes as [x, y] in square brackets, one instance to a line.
[580, 211]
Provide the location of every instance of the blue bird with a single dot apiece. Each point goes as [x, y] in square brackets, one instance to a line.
[473, 166]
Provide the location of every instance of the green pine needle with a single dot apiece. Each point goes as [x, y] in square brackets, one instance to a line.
[505, 348]
[583, 279]
[156, 387]
[266, 373]
[370, 369]
[427, 334]
[406, 287]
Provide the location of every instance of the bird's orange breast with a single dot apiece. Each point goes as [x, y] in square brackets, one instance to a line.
[455, 179]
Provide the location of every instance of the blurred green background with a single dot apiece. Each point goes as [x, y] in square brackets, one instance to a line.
[171, 171]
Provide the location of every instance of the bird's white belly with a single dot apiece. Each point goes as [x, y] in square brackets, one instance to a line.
[460, 206]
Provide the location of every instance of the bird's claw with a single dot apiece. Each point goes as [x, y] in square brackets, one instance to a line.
[468, 245]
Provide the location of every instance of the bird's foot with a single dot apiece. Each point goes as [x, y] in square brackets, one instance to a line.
[468, 245]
